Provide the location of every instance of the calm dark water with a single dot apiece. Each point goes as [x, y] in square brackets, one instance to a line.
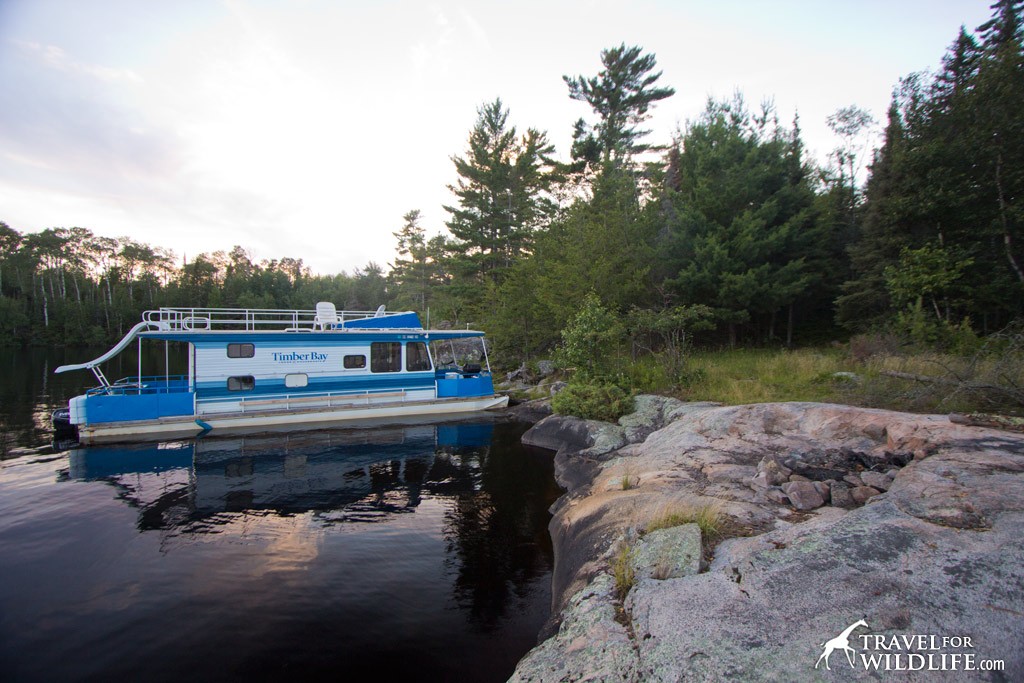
[418, 552]
[29, 391]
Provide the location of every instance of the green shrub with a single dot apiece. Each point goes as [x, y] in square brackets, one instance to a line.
[590, 340]
[605, 402]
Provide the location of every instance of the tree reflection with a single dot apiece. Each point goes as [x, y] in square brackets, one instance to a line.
[495, 494]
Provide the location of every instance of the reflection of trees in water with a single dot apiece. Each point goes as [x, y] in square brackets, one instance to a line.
[495, 523]
[497, 531]
[30, 391]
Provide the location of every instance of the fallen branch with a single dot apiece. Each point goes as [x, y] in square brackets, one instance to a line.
[928, 379]
[1013, 394]
[1013, 424]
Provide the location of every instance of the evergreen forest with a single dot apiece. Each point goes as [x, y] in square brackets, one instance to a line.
[727, 234]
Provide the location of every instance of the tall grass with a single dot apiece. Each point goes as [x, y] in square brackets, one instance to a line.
[622, 569]
[949, 382]
[990, 380]
[762, 375]
[707, 517]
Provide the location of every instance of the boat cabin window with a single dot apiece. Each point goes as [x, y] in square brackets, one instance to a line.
[241, 350]
[385, 357]
[416, 357]
[295, 380]
[355, 362]
[242, 383]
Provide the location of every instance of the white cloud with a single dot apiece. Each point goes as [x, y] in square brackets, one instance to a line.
[56, 58]
[309, 129]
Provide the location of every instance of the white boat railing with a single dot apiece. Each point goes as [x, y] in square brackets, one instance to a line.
[324, 399]
[252, 319]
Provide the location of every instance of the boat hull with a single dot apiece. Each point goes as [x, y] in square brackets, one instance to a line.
[250, 422]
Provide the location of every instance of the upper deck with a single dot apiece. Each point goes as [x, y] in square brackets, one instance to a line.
[323, 318]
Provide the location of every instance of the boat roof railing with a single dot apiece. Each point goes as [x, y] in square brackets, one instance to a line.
[265, 319]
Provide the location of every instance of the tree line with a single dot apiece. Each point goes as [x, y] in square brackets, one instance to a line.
[727, 229]
[70, 286]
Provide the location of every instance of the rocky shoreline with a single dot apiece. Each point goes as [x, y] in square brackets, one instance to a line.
[826, 520]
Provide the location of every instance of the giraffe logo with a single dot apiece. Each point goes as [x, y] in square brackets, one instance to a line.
[840, 642]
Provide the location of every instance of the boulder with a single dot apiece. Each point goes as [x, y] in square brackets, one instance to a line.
[775, 472]
[840, 496]
[876, 480]
[803, 495]
[862, 494]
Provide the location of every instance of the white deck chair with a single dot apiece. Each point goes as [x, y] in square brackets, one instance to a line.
[326, 315]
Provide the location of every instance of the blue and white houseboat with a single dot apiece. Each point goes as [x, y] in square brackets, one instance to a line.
[259, 370]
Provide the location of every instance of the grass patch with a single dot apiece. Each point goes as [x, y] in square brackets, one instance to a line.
[629, 480]
[622, 569]
[984, 382]
[767, 375]
[990, 379]
[708, 518]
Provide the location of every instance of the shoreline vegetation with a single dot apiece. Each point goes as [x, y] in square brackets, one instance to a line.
[622, 257]
[991, 380]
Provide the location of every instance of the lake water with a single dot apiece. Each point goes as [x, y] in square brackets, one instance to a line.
[416, 552]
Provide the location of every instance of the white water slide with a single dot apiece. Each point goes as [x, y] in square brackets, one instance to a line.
[118, 348]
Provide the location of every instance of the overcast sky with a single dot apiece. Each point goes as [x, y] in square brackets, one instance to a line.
[308, 128]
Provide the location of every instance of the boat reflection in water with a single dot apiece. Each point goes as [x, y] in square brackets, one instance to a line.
[359, 475]
[423, 549]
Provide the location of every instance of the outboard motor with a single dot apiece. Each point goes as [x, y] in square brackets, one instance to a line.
[63, 430]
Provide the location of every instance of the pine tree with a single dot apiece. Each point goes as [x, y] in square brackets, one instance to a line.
[411, 271]
[948, 181]
[503, 196]
[743, 218]
[621, 95]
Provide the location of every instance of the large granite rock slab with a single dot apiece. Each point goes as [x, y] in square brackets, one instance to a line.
[941, 552]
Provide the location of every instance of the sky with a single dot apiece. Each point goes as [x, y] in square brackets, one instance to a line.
[308, 128]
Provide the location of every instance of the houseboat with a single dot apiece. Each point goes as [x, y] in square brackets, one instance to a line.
[252, 370]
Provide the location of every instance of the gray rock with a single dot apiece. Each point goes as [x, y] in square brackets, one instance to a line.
[763, 615]
[558, 432]
[530, 411]
[803, 495]
[853, 480]
[773, 494]
[876, 480]
[545, 368]
[649, 415]
[668, 553]
[839, 493]
[846, 377]
[590, 644]
[775, 472]
[862, 494]
[940, 552]
[760, 481]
